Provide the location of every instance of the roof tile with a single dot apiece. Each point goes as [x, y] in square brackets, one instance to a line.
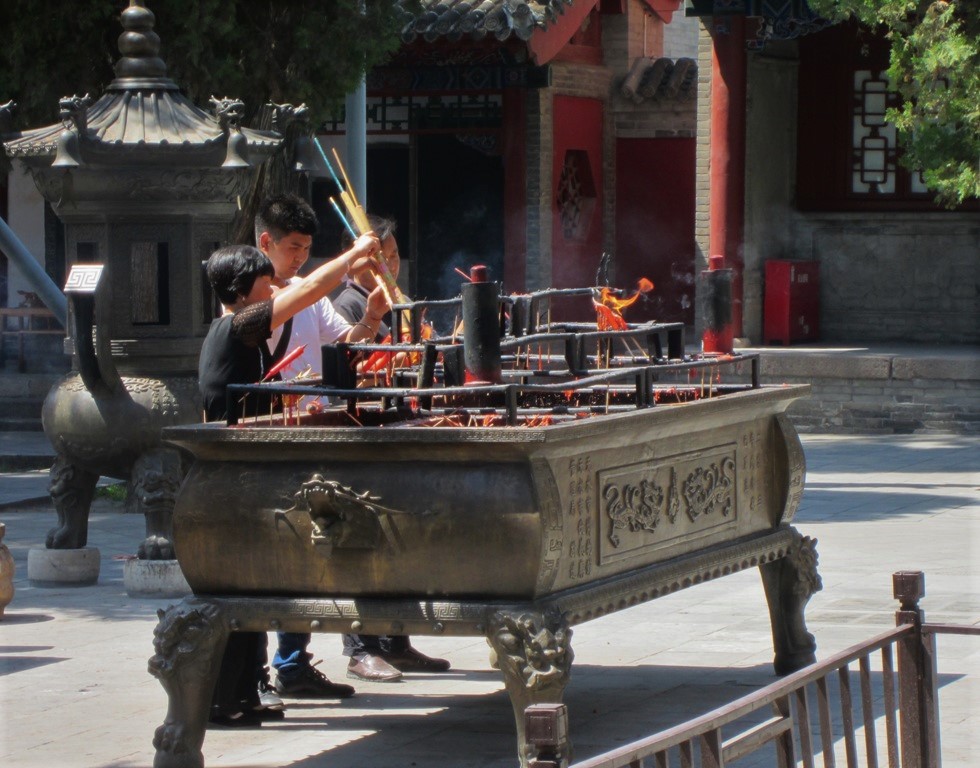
[454, 19]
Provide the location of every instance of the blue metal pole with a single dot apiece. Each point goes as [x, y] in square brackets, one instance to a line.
[50, 294]
[356, 108]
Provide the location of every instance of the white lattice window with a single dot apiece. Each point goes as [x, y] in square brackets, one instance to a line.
[874, 141]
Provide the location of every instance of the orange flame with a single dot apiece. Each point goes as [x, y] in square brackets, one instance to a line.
[607, 318]
[609, 308]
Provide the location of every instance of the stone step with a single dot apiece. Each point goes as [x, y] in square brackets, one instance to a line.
[34, 353]
[25, 463]
[21, 398]
[24, 451]
[21, 407]
[13, 424]
[20, 414]
[27, 385]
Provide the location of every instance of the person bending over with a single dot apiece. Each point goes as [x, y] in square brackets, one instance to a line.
[375, 658]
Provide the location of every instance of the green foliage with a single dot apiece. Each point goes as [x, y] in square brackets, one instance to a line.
[935, 67]
[69, 49]
[311, 51]
[113, 492]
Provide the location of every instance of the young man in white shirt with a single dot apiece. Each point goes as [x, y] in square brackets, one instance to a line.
[284, 229]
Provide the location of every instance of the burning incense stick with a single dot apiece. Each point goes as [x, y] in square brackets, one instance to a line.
[350, 188]
[361, 225]
[384, 290]
[388, 284]
[343, 219]
[348, 194]
[326, 162]
[356, 213]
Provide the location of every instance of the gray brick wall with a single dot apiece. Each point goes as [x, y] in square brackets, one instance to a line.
[896, 277]
[681, 35]
[909, 277]
[878, 393]
[538, 149]
[703, 171]
[897, 408]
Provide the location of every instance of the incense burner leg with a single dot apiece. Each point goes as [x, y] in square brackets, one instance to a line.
[533, 650]
[155, 481]
[72, 490]
[189, 642]
[789, 584]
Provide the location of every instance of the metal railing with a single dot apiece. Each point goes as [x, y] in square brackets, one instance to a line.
[902, 710]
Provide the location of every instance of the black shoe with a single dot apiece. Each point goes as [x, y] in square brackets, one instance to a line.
[307, 682]
[235, 720]
[411, 660]
[264, 714]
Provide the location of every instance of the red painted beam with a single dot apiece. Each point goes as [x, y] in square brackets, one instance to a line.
[545, 44]
[726, 234]
[664, 8]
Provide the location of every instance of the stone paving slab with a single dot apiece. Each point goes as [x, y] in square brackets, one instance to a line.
[25, 444]
[23, 452]
[26, 488]
[75, 691]
[29, 488]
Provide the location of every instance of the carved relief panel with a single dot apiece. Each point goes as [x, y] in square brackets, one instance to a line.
[625, 507]
[653, 504]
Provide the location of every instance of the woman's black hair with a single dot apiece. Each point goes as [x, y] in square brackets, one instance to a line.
[233, 269]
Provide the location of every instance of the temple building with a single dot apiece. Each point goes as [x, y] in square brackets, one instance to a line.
[537, 136]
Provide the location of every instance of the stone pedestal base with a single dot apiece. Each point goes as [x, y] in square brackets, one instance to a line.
[530, 640]
[154, 578]
[63, 567]
[7, 569]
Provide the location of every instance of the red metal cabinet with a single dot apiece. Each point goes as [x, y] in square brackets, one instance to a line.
[792, 305]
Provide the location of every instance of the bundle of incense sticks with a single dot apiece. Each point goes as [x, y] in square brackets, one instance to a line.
[356, 222]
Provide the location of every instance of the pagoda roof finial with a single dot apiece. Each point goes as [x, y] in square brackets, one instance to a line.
[142, 118]
[140, 65]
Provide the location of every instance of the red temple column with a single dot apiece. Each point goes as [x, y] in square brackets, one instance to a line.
[726, 233]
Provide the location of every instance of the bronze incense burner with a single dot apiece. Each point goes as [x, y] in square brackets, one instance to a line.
[586, 481]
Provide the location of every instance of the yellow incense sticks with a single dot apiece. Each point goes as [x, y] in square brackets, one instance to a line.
[357, 221]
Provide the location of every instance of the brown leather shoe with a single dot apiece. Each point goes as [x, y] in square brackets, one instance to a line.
[411, 660]
[372, 669]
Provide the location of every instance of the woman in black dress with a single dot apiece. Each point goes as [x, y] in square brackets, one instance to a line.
[234, 351]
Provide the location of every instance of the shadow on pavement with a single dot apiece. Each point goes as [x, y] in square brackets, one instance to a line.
[608, 708]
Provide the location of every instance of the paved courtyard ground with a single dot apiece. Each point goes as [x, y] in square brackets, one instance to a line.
[75, 691]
